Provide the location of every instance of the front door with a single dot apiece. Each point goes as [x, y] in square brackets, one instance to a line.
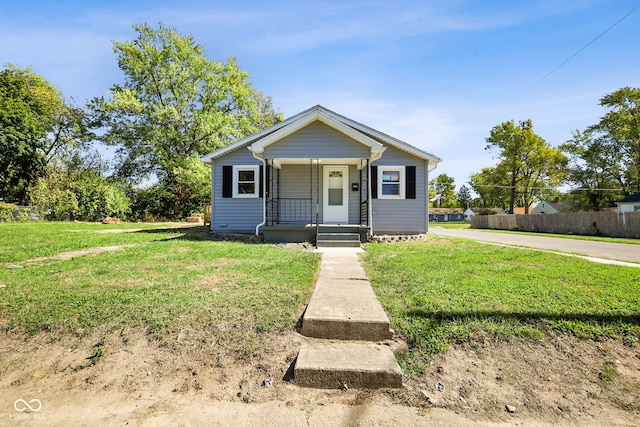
[335, 195]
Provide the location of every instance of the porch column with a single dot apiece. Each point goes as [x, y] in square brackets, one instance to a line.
[317, 192]
[370, 213]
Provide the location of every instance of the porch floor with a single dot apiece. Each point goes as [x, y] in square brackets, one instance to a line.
[298, 233]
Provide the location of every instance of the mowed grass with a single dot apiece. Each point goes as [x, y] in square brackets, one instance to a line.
[456, 224]
[22, 241]
[169, 284]
[445, 290]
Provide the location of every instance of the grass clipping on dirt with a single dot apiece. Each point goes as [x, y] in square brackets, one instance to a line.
[443, 291]
[176, 287]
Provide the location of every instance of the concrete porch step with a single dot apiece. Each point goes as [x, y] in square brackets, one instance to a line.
[339, 236]
[334, 239]
[334, 365]
[337, 244]
[345, 309]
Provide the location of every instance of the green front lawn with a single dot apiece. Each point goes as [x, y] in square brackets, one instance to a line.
[444, 291]
[168, 284]
[172, 284]
[450, 224]
[27, 240]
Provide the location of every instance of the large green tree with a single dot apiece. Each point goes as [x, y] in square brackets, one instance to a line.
[619, 132]
[36, 124]
[596, 170]
[444, 186]
[528, 164]
[174, 106]
[490, 187]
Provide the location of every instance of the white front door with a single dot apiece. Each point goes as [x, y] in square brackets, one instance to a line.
[335, 195]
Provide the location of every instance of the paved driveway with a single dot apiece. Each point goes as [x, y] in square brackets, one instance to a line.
[615, 251]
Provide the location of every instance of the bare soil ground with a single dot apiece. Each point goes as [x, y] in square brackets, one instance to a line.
[137, 381]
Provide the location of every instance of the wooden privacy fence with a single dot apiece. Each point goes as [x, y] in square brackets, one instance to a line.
[611, 224]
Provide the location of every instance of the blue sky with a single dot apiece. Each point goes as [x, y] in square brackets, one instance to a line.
[436, 74]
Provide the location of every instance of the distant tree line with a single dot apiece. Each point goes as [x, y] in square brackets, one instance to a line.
[600, 164]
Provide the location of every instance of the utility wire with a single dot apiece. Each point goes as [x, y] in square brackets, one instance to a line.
[581, 49]
[547, 188]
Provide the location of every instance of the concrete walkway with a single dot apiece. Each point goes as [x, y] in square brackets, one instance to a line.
[344, 307]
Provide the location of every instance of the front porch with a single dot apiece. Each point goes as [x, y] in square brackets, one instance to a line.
[305, 197]
[286, 233]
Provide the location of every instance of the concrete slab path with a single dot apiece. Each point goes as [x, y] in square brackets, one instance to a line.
[344, 307]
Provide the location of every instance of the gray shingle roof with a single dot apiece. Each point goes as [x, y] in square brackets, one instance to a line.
[635, 197]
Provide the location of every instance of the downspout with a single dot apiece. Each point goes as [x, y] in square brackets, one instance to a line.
[264, 193]
[212, 197]
[373, 158]
[370, 213]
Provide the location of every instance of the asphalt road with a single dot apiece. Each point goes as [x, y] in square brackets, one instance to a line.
[615, 251]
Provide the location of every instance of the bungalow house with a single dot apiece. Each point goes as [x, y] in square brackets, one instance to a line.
[445, 214]
[547, 207]
[630, 203]
[481, 211]
[319, 173]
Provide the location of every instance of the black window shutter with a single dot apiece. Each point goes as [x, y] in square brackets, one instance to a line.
[261, 186]
[227, 182]
[410, 187]
[374, 182]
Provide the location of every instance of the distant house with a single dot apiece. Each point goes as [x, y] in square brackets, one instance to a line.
[547, 207]
[445, 214]
[630, 203]
[481, 211]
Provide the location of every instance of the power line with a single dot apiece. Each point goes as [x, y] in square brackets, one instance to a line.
[582, 48]
[547, 188]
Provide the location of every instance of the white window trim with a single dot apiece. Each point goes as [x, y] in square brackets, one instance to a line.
[236, 173]
[381, 170]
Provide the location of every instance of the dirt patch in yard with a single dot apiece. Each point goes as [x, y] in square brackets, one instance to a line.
[125, 378]
[64, 256]
[559, 381]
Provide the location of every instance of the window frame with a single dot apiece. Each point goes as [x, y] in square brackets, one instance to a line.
[237, 169]
[402, 182]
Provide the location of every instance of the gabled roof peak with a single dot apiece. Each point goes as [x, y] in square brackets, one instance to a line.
[356, 130]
